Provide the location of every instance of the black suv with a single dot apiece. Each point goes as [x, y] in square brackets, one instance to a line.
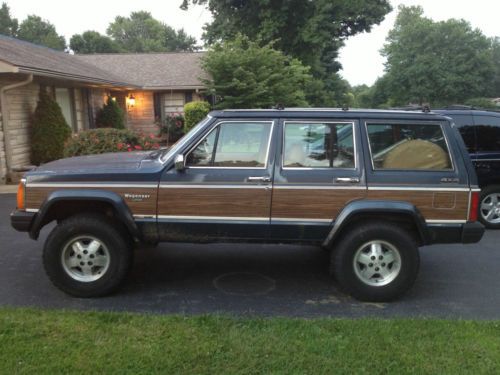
[371, 186]
[481, 133]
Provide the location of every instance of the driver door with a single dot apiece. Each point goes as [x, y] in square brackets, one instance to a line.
[225, 189]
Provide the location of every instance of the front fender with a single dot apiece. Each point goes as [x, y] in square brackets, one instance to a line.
[377, 207]
[116, 201]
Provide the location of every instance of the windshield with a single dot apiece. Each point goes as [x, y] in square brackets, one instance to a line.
[170, 151]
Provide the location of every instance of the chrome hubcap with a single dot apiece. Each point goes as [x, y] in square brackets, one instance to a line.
[85, 258]
[490, 208]
[377, 263]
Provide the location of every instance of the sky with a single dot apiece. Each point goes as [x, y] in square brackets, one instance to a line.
[360, 58]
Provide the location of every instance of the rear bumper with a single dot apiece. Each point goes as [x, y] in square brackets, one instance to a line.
[21, 220]
[470, 232]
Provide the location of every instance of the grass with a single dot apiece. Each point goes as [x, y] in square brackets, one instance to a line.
[50, 342]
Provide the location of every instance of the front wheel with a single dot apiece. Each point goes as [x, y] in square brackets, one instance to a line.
[87, 256]
[375, 262]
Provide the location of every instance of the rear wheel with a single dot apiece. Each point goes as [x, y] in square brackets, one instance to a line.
[489, 207]
[375, 262]
[87, 255]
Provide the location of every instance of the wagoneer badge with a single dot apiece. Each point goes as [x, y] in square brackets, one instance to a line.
[137, 197]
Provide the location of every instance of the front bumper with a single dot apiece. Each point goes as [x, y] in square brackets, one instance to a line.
[470, 232]
[21, 220]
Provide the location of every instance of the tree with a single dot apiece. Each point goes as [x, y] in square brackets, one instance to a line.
[311, 31]
[92, 42]
[495, 51]
[436, 62]
[142, 33]
[245, 75]
[36, 30]
[8, 24]
[49, 132]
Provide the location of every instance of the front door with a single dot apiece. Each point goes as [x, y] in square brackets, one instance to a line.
[225, 190]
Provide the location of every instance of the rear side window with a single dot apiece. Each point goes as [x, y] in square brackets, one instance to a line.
[318, 145]
[487, 133]
[408, 147]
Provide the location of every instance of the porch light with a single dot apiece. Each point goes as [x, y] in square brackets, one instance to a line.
[131, 101]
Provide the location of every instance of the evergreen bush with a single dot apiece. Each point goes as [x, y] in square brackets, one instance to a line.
[110, 115]
[194, 112]
[49, 132]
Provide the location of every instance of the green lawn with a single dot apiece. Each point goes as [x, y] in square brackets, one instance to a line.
[50, 342]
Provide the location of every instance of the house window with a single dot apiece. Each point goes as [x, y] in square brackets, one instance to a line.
[157, 97]
[65, 99]
[188, 97]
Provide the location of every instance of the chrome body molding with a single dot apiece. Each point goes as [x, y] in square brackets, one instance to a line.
[319, 187]
[130, 185]
[403, 188]
[437, 221]
[302, 220]
[34, 210]
[211, 218]
[215, 186]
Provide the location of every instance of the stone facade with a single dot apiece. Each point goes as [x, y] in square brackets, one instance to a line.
[141, 116]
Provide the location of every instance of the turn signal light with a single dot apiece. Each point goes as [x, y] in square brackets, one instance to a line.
[21, 192]
[474, 206]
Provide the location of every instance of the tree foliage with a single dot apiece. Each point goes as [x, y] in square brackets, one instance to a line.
[92, 42]
[49, 131]
[8, 24]
[245, 75]
[311, 31]
[142, 33]
[194, 112]
[436, 62]
[36, 30]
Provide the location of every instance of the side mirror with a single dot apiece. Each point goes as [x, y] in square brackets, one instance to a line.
[179, 162]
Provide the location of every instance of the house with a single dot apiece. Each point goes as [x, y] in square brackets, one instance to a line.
[147, 86]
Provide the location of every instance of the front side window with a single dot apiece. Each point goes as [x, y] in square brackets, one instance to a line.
[233, 144]
[318, 145]
[408, 146]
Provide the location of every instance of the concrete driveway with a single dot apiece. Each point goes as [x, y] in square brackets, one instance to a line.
[458, 281]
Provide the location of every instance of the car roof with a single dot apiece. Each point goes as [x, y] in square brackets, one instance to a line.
[327, 112]
[478, 112]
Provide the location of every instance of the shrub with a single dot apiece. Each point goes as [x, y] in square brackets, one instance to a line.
[110, 115]
[50, 131]
[99, 141]
[194, 112]
[172, 127]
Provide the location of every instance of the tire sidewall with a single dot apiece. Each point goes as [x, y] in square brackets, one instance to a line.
[63, 234]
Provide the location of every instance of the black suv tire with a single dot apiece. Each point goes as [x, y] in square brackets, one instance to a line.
[385, 251]
[87, 255]
[486, 193]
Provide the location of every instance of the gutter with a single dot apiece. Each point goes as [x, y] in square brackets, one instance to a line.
[5, 118]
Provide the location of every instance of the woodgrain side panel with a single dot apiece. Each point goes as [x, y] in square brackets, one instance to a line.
[432, 205]
[147, 206]
[312, 204]
[214, 202]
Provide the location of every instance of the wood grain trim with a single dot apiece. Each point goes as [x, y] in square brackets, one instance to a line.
[214, 202]
[312, 204]
[35, 196]
[425, 202]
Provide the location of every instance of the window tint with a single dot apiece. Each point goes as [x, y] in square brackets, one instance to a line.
[318, 145]
[408, 146]
[487, 133]
[235, 144]
[465, 125]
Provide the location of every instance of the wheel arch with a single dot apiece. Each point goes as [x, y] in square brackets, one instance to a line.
[61, 204]
[401, 213]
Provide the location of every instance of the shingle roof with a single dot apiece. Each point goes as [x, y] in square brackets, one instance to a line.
[29, 57]
[152, 70]
[144, 70]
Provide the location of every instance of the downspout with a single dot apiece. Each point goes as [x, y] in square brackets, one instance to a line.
[5, 118]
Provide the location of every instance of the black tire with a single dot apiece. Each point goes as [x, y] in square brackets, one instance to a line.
[109, 233]
[342, 264]
[488, 190]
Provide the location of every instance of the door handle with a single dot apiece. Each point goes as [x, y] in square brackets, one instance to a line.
[259, 179]
[351, 180]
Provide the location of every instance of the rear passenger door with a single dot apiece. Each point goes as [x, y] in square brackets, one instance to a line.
[318, 171]
[487, 156]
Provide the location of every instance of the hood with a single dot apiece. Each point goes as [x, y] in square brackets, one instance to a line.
[112, 162]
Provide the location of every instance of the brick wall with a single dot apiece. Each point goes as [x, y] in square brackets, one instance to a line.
[141, 117]
[3, 166]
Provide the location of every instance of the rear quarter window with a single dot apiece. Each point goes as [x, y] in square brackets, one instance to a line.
[408, 147]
